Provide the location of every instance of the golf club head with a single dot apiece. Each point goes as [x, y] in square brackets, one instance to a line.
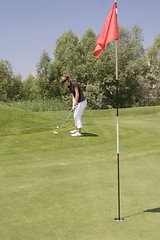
[55, 132]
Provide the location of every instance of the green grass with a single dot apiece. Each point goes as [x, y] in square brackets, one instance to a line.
[64, 188]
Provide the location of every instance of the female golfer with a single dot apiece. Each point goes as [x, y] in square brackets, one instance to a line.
[79, 103]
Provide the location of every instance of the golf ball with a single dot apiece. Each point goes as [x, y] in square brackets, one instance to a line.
[57, 126]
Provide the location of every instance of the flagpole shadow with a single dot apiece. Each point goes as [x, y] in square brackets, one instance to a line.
[134, 214]
[151, 210]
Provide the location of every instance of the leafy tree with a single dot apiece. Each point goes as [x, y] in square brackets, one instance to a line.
[154, 63]
[68, 54]
[134, 83]
[132, 66]
[55, 88]
[130, 50]
[43, 75]
[88, 60]
[16, 87]
[6, 76]
[29, 90]
[67, 60]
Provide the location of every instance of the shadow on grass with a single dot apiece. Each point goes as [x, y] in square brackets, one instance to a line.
[134, 214]
[152, 210]
[85, 134]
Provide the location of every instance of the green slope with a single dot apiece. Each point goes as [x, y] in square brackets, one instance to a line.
[17, 121]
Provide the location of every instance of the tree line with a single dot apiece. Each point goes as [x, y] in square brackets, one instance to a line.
[138, 72]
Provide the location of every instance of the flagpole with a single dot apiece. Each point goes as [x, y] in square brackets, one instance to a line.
[109, 33]
[117, 135]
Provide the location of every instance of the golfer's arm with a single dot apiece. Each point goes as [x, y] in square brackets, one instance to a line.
[75, 99]
[76, 96]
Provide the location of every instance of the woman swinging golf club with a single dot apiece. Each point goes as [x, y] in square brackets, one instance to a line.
[79, 103]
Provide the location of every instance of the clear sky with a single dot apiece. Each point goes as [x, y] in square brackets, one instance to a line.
[27, 27]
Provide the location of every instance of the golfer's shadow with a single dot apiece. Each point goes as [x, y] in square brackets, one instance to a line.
[86, 134]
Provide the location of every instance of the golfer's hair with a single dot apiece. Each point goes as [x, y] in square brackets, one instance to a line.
[64, 78]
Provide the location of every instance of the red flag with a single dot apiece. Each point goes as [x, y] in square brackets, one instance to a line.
[109, 32]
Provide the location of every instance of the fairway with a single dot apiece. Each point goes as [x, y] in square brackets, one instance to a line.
[58, 187]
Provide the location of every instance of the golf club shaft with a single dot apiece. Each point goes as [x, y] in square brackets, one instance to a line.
[66, 119]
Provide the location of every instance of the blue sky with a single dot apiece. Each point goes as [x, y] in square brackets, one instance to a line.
[28, 27]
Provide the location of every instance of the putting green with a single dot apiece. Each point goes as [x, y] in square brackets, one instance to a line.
[65, 188]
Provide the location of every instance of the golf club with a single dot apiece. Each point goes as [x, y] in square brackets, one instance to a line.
[59, 127]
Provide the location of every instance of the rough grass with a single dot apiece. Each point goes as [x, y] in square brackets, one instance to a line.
[64, 188]
[40, 105]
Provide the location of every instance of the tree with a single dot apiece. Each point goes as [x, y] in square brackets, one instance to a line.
[16, 87]
[132, 66]
[43, 75]
[154, 63]
[6, 76]
[88, 61]
[68, 54]
[67, 60]
[29, 90]
[134, 83]
[91, 84]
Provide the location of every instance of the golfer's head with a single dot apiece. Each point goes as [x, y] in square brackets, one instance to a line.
[65, 81]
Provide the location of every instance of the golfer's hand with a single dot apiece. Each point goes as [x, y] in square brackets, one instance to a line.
[74, 107]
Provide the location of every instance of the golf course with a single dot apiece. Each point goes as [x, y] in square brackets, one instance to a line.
[58, 187]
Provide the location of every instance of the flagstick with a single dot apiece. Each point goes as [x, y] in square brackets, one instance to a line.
[117, 132]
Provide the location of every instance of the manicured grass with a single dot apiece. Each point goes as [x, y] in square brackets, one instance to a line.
[64, 188]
